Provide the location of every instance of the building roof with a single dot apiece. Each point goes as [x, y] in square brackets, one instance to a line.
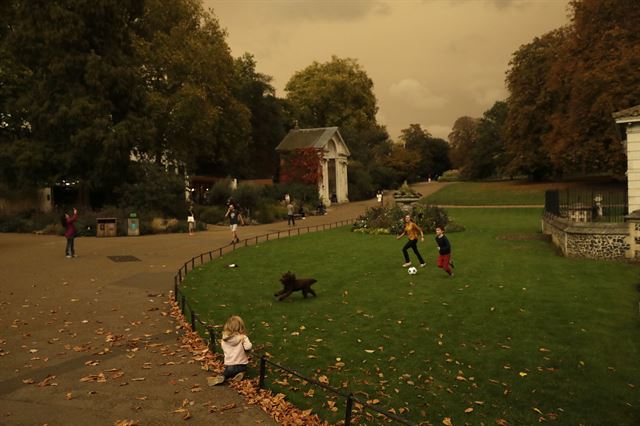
[309, 138]
[629, 114]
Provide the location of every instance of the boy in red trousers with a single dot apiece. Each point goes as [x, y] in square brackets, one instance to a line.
[444, 249]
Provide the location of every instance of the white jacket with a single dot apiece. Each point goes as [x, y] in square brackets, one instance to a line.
[234, 348]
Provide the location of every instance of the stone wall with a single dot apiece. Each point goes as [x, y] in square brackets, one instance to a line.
[592, 240]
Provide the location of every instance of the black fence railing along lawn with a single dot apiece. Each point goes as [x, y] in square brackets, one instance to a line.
[587, 205]
[198, 324]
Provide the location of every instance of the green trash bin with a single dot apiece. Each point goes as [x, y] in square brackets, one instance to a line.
[133, 225]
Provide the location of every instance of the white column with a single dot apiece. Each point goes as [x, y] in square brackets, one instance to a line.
[323, 184]
[633, 166]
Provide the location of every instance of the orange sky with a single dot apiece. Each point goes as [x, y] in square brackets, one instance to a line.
[431, 61]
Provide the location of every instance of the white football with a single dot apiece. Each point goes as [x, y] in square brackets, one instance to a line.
[413, 270]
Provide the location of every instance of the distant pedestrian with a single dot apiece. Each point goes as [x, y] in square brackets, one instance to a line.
[379, 196]
[191, 221]
[234, 218]
[412, 230]
[235, 344]
[291, 219]
[70, 232]
[444, 251]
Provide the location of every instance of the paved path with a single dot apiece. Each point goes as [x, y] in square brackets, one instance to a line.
[88, 340]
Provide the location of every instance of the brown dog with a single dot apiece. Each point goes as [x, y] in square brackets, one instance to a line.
[291, 284]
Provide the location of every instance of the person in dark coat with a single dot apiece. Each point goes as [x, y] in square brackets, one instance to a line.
[70, 232]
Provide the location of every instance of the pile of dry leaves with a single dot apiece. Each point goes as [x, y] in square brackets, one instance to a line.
[275, 405]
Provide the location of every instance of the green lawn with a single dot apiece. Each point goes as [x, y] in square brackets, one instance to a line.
[519, 333]
[501, 193]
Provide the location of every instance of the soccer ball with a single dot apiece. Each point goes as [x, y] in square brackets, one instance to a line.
[413, 270]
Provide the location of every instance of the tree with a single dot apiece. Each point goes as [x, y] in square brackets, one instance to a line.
[268, 119]
[486, 157]
[461, 139]
[188, 73]
[530, 103]
[70, 108]
[338, 93]
[301, 165]
[597, 74]
[433, 153]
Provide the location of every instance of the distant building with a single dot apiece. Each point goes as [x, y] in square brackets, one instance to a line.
[333, 183]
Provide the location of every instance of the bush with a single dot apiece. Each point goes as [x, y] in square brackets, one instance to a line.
[307, 194]
[219, 193]
[248, 196]
[210, 214]
[450, 176]
[360, 185]
[153, 189]
[270, 212]
[389, 220]
[383, 177]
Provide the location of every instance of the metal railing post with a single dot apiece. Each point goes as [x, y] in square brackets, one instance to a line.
[193, 319]
[212, 338]
[349, 409]
[263, 370]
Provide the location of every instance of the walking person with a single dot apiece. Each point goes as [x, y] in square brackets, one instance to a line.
[235, 344]
[291, 219]
[191, 221]
[444, 251]
[234, 217]
[70, 232]
[412, 230]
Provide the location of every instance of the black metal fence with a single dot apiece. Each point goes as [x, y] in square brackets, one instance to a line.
[349, 397]
[200, 325]
[587, 205]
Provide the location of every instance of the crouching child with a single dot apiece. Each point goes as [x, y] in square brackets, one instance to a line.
[235, 345]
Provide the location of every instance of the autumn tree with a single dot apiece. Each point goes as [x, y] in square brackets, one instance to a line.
[432, 153]
[597, 74]
[461, 139]
[565, 85]
[530, 103]
[486, 157]
[189, 74]
[338, 93]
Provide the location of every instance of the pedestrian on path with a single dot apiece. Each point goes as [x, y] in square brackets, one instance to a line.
[235, 345]
[412, 230]
[234, 218]
[70, 232]
[444, 251]
[191, 221]
[291, 220]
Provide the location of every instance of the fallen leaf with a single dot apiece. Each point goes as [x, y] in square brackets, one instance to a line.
[447, 421]
[468, 410]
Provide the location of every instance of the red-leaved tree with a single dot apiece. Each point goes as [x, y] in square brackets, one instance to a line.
[301, 165]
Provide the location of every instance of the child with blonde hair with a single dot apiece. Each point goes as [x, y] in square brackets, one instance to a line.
[235, 345]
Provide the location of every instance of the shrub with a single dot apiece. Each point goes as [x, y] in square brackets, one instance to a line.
[450, 176]
[153, 189]
[360, 185]
[270, 212]
[307, 194]
[247, 195]
[210, 214]
[389, 220]
[219, 193]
